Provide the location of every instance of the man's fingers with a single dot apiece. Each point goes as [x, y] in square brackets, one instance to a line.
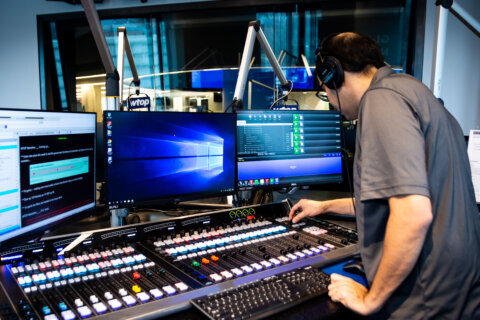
[293, 210]
[334, 277]
[299, 217]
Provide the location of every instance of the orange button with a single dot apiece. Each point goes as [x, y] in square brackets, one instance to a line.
[205, 261]
[214, 258]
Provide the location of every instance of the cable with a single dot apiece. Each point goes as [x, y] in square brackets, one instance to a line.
[298, 104]
[342, 134]
[128, 99]
[291, 87]
[129, 87]
[230, 105]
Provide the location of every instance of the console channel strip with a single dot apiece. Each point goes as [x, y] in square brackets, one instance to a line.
[153, 269]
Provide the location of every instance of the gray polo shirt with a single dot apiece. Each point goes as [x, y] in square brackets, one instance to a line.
[408, 143]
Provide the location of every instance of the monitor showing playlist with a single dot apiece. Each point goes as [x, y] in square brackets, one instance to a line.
[47, 170]
[288, 148]
[166, 157]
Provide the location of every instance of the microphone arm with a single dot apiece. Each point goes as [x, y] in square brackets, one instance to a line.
[254, 31]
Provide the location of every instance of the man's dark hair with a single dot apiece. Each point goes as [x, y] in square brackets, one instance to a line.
[354, 51]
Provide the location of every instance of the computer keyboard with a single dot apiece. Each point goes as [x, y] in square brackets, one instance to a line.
[263, 298]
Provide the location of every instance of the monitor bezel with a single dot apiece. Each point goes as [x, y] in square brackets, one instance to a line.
[169, 200]
[38, 233]
[292, 185]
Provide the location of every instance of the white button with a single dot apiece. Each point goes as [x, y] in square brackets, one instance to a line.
[142, 296]
[257, 266]
[216, 277]
[115, 304]
[100, 307]
[68, 315]
[156, 293]
[237, 272]
[129, 300]
[247, 269]
[78, 302]
[169, 290]
[84, 311]
[227, 275]
[300, 254]
[181, 286]
[292, 257]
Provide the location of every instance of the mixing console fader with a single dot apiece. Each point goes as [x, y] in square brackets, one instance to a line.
[153, 269]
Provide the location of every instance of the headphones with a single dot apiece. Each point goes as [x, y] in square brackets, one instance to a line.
[328, 69]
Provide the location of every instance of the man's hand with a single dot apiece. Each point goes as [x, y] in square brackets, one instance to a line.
[305, 208]
[309, 208]
[351, 294]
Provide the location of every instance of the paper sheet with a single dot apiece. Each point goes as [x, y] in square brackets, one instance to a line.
[474, 156]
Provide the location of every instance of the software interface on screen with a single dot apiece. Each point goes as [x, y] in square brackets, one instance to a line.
[288, 148]
[46, 169]
[160, 157]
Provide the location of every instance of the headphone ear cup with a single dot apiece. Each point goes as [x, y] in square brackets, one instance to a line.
[330, 72]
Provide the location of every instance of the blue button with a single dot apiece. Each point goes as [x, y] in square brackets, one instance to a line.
[46, 310]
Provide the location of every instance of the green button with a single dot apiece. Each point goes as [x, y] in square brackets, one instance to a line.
[195, 264]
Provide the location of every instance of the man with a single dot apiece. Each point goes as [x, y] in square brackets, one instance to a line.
[418, 224]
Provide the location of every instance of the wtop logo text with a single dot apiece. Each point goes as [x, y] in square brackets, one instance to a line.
[143, 102]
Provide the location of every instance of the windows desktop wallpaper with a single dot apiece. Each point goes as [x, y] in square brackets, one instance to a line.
[164, 156]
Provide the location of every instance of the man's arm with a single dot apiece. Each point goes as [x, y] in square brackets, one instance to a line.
[407, 226]
[309, 208]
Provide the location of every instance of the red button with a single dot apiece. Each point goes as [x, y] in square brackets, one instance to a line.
[136, 275]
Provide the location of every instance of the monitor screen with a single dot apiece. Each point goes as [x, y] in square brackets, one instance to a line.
[288, 148]
[47, 170]
[166, 157]
[300, 77]
[207, 79]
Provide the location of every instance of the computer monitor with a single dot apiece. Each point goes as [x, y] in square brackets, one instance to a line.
[166, 157]
[299, 76]
[288, 148]
[47, 171]
[207, 79]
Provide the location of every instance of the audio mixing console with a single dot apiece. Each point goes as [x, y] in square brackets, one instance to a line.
[153, 269]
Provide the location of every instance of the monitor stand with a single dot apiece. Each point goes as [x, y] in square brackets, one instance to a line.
[118, 217]
[252, 197]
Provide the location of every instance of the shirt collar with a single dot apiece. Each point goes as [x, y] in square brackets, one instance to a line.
[380, 74]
